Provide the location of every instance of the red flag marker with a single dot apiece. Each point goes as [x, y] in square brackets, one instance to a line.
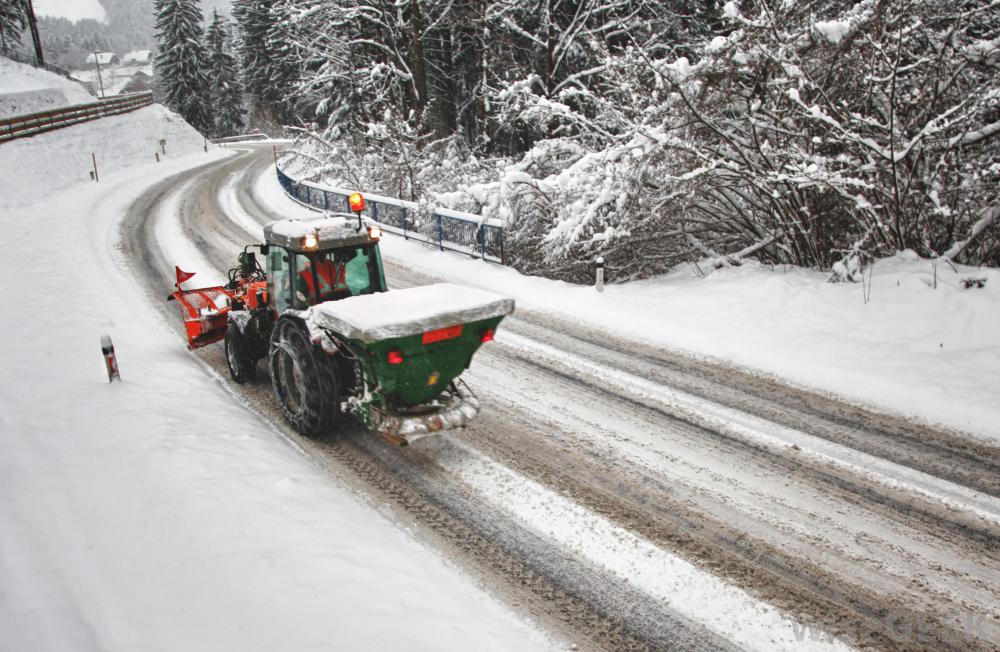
[182, 275]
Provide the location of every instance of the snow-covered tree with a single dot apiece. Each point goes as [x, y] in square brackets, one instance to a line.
[657, 131]
[270, 67]
[181, 62]
[838, 129]
[12, 22]
[224, 73]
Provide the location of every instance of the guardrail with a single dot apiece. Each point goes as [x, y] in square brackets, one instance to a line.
[240, 138]
[446, 229]
[36, 123]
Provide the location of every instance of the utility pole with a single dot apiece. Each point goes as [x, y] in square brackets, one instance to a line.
[97, 62]
[33, 24]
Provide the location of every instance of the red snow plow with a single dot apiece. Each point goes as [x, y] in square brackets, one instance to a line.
[205, 311]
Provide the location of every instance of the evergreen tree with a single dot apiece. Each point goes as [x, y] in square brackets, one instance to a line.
[181, 61]
[227, 91]
[12, 23]
[263, 49]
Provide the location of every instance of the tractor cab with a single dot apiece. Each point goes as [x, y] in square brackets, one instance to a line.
[312, 261]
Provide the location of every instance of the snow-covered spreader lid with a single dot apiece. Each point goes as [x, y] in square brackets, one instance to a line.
[400, 313]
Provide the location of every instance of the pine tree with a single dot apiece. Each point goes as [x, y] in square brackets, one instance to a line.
[227, 91]
[12, 23]
[264, 51]
[181, 61]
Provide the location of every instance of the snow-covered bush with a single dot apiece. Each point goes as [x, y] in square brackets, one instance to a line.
[654, 133]
[873, 124]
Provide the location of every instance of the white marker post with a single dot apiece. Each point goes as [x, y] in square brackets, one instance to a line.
[108, 349]
[599, 264]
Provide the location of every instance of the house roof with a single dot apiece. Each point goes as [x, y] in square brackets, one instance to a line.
[102, 57]
[137, 56]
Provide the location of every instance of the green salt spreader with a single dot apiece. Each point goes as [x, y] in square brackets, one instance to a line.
[336, 341]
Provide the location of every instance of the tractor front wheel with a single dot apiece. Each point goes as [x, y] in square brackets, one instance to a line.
[242, 367]
[304, 379]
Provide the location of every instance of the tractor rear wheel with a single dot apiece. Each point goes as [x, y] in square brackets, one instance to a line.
[242, 367]
[304, 379]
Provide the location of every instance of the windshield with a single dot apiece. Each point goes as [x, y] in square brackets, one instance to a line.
[339, 273]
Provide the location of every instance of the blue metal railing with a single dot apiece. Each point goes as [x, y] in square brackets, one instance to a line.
[446, 229]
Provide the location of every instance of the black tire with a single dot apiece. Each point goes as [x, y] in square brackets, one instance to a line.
[304, 379]
[242, 366]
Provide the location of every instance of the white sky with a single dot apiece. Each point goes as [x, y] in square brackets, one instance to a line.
[71, 9]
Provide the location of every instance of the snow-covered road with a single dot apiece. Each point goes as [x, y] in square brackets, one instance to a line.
[639, 498]
[159, 513]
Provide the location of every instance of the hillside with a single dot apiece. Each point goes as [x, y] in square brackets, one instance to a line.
[25, 89]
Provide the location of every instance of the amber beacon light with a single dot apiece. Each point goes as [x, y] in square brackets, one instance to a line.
[357, 202]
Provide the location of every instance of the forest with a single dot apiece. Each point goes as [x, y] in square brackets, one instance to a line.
[820, 133]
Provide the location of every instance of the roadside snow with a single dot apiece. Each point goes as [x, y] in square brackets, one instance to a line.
[26, 89]
[159, 513]
[923, 346]
[38, 166]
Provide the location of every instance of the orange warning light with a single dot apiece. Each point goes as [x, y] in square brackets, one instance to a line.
[357, 202]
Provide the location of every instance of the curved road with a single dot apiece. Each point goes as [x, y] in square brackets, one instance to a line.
[877, 531]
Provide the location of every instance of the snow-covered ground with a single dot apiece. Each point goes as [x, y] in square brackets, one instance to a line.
[25, 89]
[922, 345]
[52, 161]
[158, 513]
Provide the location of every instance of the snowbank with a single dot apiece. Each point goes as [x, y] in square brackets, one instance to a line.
[923, 346]
[159, 513]
[33, 168]
[25, 89]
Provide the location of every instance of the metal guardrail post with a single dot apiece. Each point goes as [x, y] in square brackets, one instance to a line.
[440, 233]
[405, 237]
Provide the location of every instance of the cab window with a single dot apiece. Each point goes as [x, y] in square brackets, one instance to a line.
[341, 273]
[278, 278]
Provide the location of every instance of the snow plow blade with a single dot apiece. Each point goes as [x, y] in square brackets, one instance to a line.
[205, 312]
